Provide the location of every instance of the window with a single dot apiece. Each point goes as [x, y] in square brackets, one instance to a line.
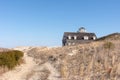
[82, 38]
[85, 37]
[72, 38]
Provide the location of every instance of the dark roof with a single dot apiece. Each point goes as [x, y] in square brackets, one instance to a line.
[78, 34]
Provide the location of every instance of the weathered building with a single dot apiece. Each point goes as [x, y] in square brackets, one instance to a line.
[81, 36]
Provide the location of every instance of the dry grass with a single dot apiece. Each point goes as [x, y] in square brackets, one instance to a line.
[93, 62]
[90, 62]
[38, 75]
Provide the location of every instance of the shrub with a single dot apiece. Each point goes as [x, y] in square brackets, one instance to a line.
[10, 59]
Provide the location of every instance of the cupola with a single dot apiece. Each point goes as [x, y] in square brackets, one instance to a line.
[81, 30]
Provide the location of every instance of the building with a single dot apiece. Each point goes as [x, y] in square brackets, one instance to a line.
[79, 37]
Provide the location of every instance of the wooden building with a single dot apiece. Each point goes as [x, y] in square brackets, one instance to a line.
[79, 37]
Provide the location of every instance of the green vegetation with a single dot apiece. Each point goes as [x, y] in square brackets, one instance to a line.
[10, 59]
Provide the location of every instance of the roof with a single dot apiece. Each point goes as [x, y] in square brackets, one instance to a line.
[78, 34]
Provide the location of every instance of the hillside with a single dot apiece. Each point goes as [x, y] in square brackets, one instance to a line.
[98, 60]
[113, 36]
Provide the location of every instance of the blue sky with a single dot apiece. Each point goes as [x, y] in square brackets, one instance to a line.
[43, 22]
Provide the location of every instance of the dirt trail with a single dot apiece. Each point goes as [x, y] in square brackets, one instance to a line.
[20, 72]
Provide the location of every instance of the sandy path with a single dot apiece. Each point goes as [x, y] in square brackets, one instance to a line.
[20, 72]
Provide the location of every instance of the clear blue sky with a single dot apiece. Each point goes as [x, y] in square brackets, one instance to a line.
[43, 22]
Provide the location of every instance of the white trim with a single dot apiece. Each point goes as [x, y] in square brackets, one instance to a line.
[69, 37]
[94, 37]
[85, 37]
[75, 37]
